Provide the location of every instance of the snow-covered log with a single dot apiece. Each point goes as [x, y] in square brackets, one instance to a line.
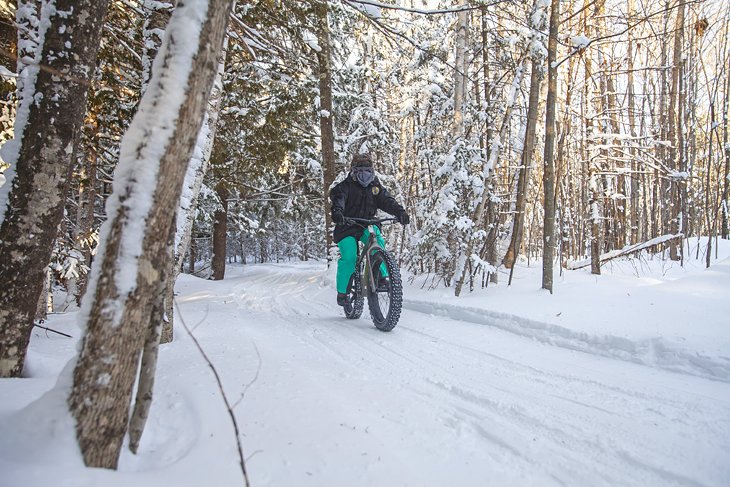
[629, 249]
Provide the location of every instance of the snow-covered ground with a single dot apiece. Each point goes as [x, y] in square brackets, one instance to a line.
[622, 379]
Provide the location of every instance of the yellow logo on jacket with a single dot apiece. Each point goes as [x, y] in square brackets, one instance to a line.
[376, 190]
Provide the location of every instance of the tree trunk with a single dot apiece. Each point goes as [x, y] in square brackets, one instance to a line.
[45, 300]
[127, 284]
[594, 186]
[191, 189]
[460, 77]
[675, 131]
[220, 236]
[548, 256]
[518, 224]
[634, 219]
[726, 172]
[487, 171]
[193, 251]
[156, 17]
[595, 220]
[661, 187]
[324, 58]
[43, 154]
[492, 222]
[85, 213]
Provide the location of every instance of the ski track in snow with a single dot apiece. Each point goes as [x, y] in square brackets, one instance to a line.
[475, 404]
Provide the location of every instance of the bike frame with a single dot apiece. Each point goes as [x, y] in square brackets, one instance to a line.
[368, 279]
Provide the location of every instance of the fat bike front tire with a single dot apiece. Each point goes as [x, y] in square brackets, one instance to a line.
[355, 301]
[386, 299]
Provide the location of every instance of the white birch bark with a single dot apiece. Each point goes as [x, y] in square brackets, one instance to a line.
[461, 66]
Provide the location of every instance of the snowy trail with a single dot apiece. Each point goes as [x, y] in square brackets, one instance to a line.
[440, 401]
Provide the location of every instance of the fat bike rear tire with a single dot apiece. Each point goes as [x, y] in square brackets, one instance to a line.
[386, 300]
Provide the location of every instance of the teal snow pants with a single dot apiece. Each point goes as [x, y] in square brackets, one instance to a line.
[348, 258]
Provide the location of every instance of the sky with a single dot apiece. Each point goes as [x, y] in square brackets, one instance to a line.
[618, 379]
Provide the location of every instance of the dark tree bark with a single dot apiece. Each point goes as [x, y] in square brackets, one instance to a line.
[324, 58]
[220, 237]
[45, 159]
[119, 319]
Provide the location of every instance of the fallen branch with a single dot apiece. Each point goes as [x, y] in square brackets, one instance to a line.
[223, 394]
[578, 264]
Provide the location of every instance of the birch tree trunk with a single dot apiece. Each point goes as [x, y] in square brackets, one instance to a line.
[460, 77]
[127, 284]
[548, 255]
[42, 155]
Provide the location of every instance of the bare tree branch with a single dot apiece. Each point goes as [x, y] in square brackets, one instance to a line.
[223, 395]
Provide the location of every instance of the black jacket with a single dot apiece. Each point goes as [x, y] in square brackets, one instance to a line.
[354, 201]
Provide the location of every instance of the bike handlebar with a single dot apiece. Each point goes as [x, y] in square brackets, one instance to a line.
[365, 221]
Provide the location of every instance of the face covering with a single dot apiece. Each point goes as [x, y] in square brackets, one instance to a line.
[363, 175]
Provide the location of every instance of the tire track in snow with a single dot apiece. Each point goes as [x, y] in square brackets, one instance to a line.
[491, 392]
[655, 352]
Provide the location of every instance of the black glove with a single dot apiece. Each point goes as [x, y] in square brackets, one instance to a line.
[338, 217]
[403, 218]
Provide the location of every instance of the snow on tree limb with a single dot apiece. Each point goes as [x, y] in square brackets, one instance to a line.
[578, 264]
[145, 143]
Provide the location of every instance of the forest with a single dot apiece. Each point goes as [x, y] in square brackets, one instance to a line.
[143, 139]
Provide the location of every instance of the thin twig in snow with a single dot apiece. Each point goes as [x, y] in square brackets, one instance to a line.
[252, 381]
[51, 329]
[223, 394]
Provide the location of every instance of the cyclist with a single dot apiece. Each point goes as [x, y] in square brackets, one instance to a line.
[360, 195]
